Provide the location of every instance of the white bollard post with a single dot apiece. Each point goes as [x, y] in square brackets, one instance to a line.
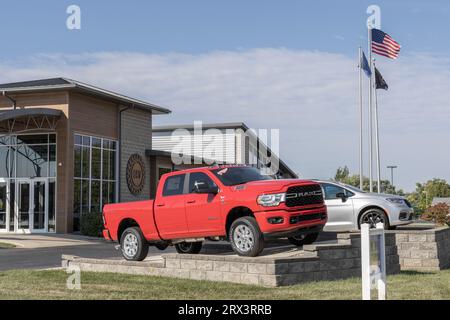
[373, 272]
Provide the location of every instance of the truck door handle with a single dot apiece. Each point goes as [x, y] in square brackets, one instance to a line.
[160, 205]
[191, 201]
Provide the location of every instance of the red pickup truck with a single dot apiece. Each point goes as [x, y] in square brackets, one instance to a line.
[233, 203]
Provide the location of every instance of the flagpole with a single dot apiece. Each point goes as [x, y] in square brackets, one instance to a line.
[377, 141]
[361, 182]
[369, 28]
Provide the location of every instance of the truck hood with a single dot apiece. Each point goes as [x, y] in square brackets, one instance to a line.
[270, 186]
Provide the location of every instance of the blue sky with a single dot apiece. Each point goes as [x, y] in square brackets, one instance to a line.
[198, 26]
[272, 64]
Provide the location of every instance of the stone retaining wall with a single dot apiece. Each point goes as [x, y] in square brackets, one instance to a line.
[423, 250]
[313, 263]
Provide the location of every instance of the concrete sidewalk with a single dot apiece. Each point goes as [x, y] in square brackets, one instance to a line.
[34, 241]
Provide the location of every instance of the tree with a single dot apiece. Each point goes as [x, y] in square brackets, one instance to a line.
[422, 197]
[343, 175]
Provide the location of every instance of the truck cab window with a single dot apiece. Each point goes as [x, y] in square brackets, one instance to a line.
[199, 178]
[174, 185]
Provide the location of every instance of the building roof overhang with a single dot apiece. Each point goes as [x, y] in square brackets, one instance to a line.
[61, 84]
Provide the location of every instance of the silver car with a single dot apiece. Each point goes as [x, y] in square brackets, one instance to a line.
[349, 207]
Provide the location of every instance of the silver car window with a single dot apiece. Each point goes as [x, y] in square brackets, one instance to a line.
[331, 190]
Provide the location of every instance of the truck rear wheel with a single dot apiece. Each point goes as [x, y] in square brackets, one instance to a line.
[133, 244]
[245, 237]
[189, 247]
[304, 239]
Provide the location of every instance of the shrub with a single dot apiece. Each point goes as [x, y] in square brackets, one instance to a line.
[439, 214]
[91, 224]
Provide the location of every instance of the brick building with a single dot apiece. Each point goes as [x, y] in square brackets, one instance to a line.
[67, 148]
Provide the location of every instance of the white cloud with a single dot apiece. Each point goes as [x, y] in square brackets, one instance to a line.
[310, 95]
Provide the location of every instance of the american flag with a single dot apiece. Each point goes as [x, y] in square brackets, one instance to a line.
[384, 45]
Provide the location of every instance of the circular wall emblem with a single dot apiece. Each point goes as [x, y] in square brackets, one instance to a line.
[135, 174]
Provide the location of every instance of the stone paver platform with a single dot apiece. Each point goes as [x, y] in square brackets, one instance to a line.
[276, 267]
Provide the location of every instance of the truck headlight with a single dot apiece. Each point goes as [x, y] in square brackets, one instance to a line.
[271, 200]
[396, 201]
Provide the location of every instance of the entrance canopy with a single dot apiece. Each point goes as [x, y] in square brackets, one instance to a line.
[30, 119]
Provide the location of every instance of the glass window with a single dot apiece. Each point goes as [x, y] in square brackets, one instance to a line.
[78, 140]
[112, 165]
[84, 196]
[94, 174]
[95, 196]
[174, 185]
[96, 142]
[331, 191]
[199, 178]
[77, 196]
[96, 163]
[51, 205]
[32, 139]
[86, 141]
[32, 161]
[162, 171]
[52, 161]
[52, 138]
[85, 162]
[231, 176]
[6, 161]
[106, 164]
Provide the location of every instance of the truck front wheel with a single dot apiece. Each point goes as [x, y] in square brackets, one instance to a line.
[189, 247]
[133, 244]
[245, 237]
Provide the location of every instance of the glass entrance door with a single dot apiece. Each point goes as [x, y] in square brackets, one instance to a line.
[4, 217]
[23, 206]
[31, 204]
[39, 207]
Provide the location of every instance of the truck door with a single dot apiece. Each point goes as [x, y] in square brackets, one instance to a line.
[170, 212]
[203, 210]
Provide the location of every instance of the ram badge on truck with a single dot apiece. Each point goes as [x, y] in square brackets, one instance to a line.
[233, 203]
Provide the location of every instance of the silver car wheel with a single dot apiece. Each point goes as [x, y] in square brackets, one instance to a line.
[372, 218]
[243, 238]
[130, 245]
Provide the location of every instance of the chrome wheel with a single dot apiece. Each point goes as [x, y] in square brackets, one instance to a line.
[130, 245]
[243, 238]
[373, 218]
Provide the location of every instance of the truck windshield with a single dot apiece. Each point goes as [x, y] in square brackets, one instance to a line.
[231, 176]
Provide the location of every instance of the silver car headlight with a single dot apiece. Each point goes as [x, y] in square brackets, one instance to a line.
[398, 201]
[271, 200]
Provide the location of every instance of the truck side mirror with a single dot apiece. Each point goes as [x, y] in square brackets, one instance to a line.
[342, 196]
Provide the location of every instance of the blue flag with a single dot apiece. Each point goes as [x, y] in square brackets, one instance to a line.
[365, 65]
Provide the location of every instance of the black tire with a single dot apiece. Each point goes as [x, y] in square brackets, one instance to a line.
[161, 245]
[374, 216]
[252, 244]
[189, 247]
[133, 245]
[303, 239]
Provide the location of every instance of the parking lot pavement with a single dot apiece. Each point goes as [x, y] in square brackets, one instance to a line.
[44, 251]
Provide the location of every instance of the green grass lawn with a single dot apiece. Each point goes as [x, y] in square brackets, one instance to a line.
[6, 245]
[52, 285]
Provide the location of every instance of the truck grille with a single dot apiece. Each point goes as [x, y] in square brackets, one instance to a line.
[304, 195]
